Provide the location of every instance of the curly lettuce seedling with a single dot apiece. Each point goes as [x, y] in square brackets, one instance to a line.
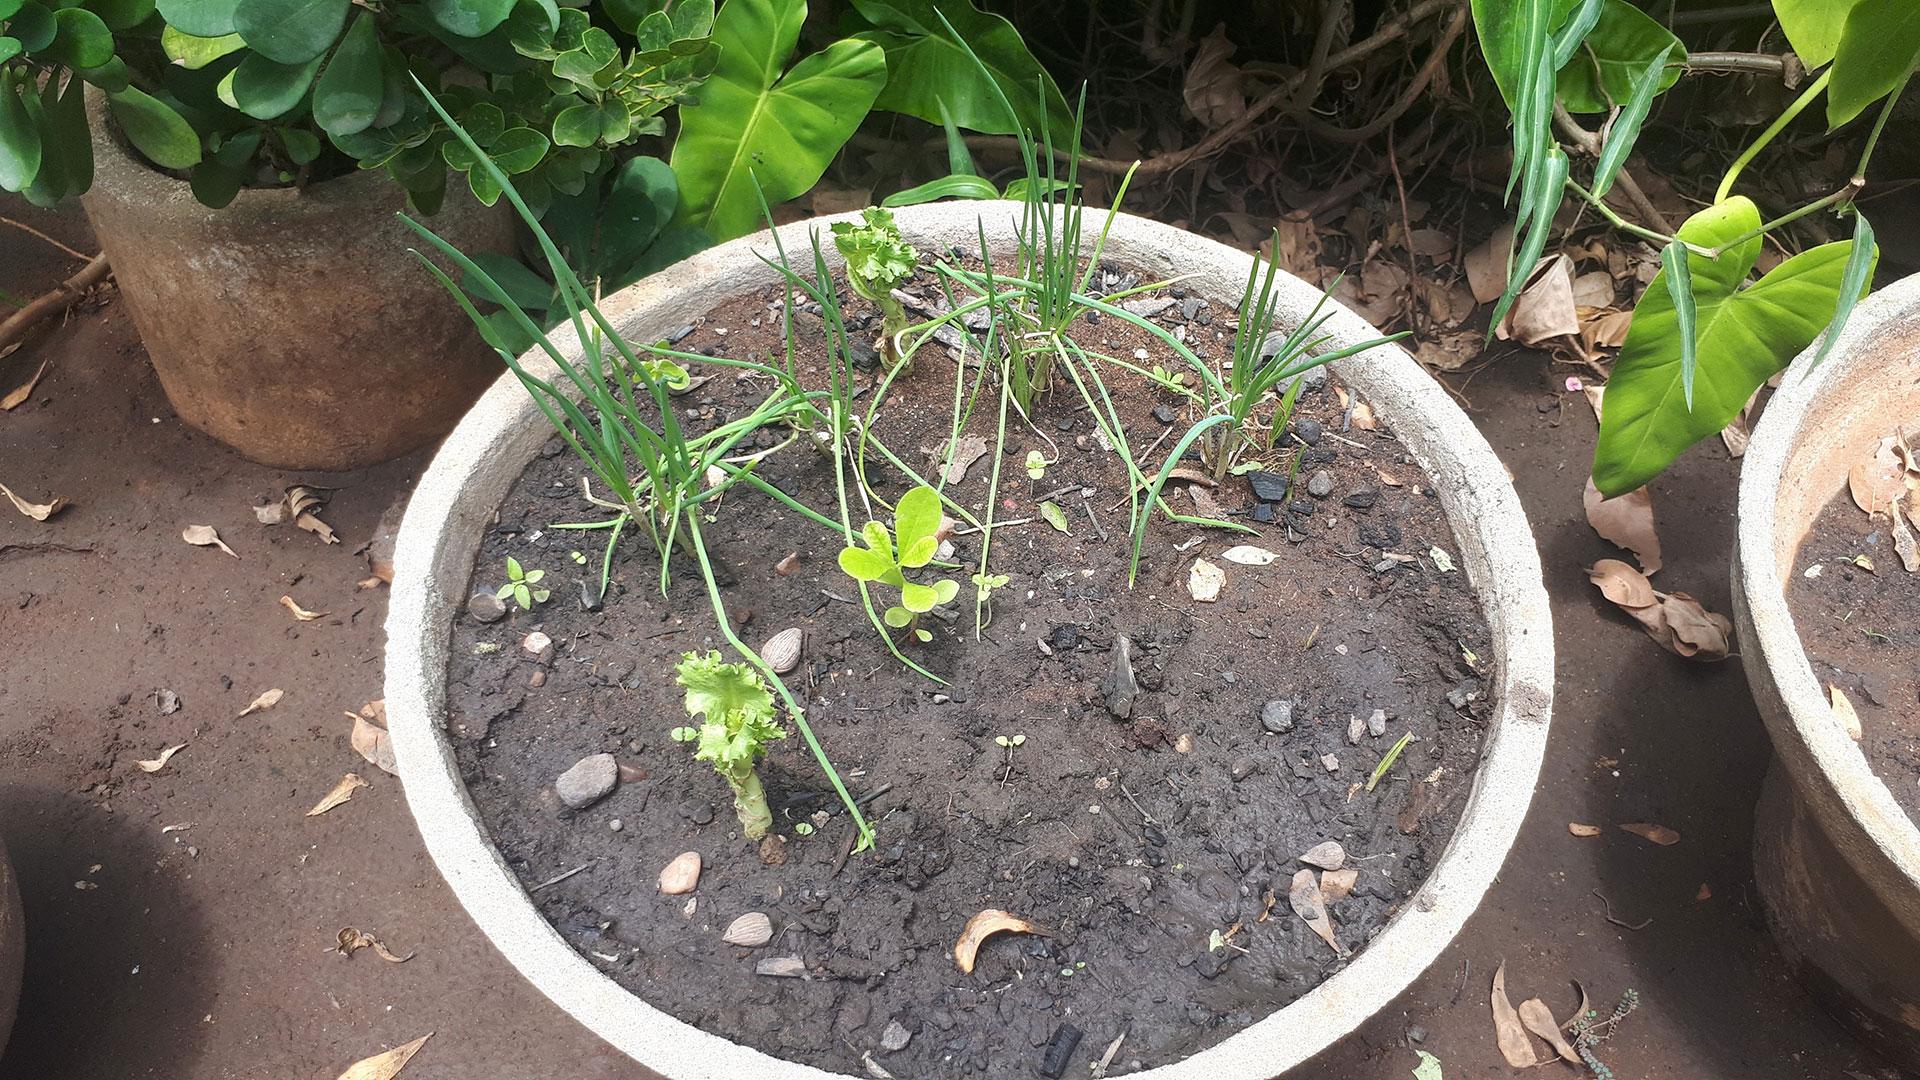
[916, 523]
[736, 711]
[878, 262]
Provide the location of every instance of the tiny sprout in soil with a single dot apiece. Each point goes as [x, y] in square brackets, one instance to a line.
[523, 586]
[736, 724]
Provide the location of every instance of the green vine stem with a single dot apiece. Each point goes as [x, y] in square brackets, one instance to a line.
[1806, 98]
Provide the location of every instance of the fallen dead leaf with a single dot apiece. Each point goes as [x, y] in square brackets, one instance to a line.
[24, 391]
[352, 940]
[1596, 394]
[1705, 893]
[373, 582]
[985, 924]
[204, 536]
[299, 612]
[1337, 885]
[1626, 521]
[369, 737]
[265, 701]
[1214, 90]
[1205, 580]
[1248, 555]
[1593, 290]
[1310, 904]
[385, 1066]
[1578, 829]
[1622, 584]
[1879, 480]
[1487, 266]
[1299, 247]
[1328, 855]
[317, 527]
[1675, 621]
[1539, 1020]
[1659, 834]
[341, 792]
[1843, 711]
[166, 755]
[1508, 1031]
[36, 511]
[1903, 540]
[971, 448]
[1544, 310]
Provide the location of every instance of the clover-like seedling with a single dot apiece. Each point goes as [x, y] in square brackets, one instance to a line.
[916, 524]
[879, 261]
[735, 709]
[1036, 464]
[523, 586]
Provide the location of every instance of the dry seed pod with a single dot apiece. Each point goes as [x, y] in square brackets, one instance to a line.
[782, 650]
[751, 930]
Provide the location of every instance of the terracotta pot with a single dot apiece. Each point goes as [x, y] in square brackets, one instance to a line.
[1836, 859]
[13, 946]
[449, 512]
[293, 324]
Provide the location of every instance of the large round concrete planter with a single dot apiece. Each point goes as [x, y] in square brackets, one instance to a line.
[1837, 860]
[292, 324]
[13, 946]
[485, 454]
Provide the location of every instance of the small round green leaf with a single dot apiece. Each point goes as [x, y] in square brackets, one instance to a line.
[81, 39]
[290, 31]
[193, 53]
[155, 128]
[9, 48]
[120, 14]
[577, 125]
[470, 18]
[33, 26]
[348, 93]
[264, 89]
[518, 150]
[201, 18]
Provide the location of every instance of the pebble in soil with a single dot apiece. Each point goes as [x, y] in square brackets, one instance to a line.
[1235, 774]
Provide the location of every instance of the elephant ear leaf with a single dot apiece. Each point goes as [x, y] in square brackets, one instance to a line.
[756, 127]
[930, 74]
[1742, 337]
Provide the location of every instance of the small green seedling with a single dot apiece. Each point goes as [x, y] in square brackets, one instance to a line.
[1386, 763]
[1036, 464]
[736, 724]
[802, 828]
[1174, 382]
[879, 261]
[523, 586]
[579, 557]
[1007, 743]
[916, 522]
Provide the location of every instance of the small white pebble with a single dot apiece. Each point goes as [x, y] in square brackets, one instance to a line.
[1094, 809]
[615, 825]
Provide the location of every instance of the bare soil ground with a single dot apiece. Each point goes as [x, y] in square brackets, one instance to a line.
[206, 953]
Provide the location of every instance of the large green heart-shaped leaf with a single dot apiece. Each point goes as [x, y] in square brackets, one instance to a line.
[926, 66]
[1878, 49]
[155, 128]
[290, 31]
[643, 198]
[348, 93]
[1742, 337]
[754, 124]
[201, 18]
[1618, 49]
[1813, 26]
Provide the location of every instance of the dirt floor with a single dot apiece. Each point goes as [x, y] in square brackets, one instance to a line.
[207, 952]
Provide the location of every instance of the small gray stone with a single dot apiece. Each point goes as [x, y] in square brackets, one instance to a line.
[1309, 430]
[781, 967]
[1243, 768]
[486, 607]
[589, 595]
[1147, 309]
[1320, 484]
[1120, 687]
[1190, 307]
[1277, 716]
[589, 781]
[1461, 695]
[896, 1037]
[1377, 723]
[1355, 728]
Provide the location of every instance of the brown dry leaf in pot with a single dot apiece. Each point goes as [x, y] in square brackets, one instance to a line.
[166, 755]
[1539, 1020]
[299, 613]
[341, 792]
[1843, 711]
[385, 1066]
[1626, 521]
[1487, 266]
[1214, 91]
[1695, 632]
[1578, 829]
[1876, 481]
[317, 527]
[983, 925]
[1508, 1031]
[969, 449]
[1308, 902]
[369, 736]
[42, 511]
[266, 700]
[1337, 885]
[1904, 543]
[1647, 830]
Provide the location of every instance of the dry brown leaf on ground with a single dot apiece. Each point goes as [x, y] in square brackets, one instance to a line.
[1675, 621]
[21, 393]
[385, 1066]
[166, 755]
[36, 511]
[1204, 581]
[1843, 711]
[353, 939]
[1337, 885]
[1879, 479]
[1904, 543]
[1578, 829]
[1449, 350]
[1622, 584]
[1596, 395]
[341, 792]
[1539, 1020]
[1308, 902]
[266, 700]
[300, 613]
[1626, 521]
[1593, 291]
[1647, 830]
[317, 527]
[1299, 247]
[1605, 330]
[969, 449]
[369, 736]
[204, 536]
[1508, 1031]
[1544, 310]
[1214, 90]
[1487, 266]
[1248, 555]
[983, 925]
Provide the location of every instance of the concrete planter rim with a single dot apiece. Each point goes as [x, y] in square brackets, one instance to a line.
[1814, 749]
[492, 445]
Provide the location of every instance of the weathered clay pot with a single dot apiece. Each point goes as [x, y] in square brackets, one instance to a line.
[1837, 860]
[293, 325]
[450, 509]
[13, 946]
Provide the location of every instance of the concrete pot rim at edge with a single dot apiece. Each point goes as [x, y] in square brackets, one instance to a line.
[497, 438]
[1771, 647]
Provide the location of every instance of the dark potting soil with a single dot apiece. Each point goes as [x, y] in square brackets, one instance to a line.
[1861, 630]
[1155, 850]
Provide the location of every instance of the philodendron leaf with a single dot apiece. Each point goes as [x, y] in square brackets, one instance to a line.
[155, 129]
[1813, 26]
[1622, 43]
[1679, 279]
[755, 125]
[1877, 51]
[927, 67]
[1853, 284]
[1743, 336]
